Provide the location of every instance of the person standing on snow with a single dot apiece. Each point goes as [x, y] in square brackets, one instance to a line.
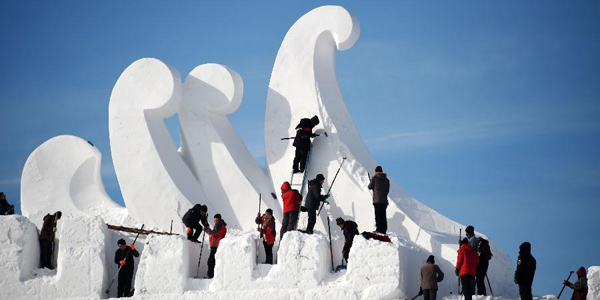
[525, 271]
[291, 208]
[268, 233]
[47, 235]
[124, 258]
[216, 234]
[470, 232]
[313, 199]
[580, 287]
[485, 254]
[191, 219]
[431, 274]
[380, 185]
[5, 208]
[302, 142]
[350, 229]
[466, 265]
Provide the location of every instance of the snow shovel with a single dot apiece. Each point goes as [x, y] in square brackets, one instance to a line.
[341, 267]
[415, 297]
[563, 288]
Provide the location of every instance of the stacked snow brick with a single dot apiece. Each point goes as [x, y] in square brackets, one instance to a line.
[166, 264]
[373, 268]
[234, 262]
[80, 252]
[593, 283]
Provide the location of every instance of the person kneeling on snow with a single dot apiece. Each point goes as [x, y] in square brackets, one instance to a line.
[431, 274]
[291, 208]
[191, 219]
[466, 265]
[124, 258]
[216, 234]
[313, 198]
[350, 229]
[267, 233]
[580, 288]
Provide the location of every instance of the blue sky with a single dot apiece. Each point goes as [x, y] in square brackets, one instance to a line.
[486, 111]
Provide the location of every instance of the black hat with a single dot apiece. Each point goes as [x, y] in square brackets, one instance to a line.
[470, 229]
[464, 241]
[339, 221]
[121, 242]
[218, 216]
[203, 208]
[431, 259]
[320, 177]
[269, 212]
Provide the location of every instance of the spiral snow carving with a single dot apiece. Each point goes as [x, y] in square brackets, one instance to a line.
[212, 148]
[303, 83]
[64, 174]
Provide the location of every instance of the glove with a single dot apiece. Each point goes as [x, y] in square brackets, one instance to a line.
[567, 283]
[420, 291]
[122, 262]
[132, 247]
[457, 272]
[188, 230]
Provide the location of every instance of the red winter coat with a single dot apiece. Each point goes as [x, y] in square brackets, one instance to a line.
[217, 233]
[267, 229]
[467, 261]
[291, 198]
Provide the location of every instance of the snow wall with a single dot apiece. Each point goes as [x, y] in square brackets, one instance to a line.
[212, 166]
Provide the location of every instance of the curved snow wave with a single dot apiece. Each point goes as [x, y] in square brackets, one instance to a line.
[303, 83]
[64, 174]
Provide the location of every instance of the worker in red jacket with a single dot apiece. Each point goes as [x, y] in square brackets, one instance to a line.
[466, 268]
[216, 234]
[580, 287]
[267, 233]
[291, 208]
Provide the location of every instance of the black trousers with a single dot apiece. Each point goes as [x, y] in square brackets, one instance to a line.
[124, 283]
[195, 233]
[380, 217]
[312, 219]
[46, 254]
[268, 253]
[289, 223]
[211, 262]
[481, 271]
[468, 286]
[429, 294]
[525, 292]
[300, 159]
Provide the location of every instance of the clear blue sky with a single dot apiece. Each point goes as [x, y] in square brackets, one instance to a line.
[487, 111]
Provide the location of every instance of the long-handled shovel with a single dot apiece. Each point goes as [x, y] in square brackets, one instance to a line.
[119, 269]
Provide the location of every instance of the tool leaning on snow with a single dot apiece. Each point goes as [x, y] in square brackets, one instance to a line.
[329, 191]
[121, 265]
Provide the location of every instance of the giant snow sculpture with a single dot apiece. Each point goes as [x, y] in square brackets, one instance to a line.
[159, 182]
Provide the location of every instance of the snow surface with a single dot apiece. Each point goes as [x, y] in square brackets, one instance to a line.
[593, 282]
[160, 182]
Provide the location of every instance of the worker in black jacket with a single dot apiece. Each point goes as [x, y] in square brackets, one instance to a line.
[302, 142]
[124, 258]
[47, 236]
[313, 199]
[350, 229]
[525, 271]
[192, 219]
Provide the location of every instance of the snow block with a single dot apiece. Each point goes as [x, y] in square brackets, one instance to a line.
[19, 249]
[371, 262]
[303, 260]
[81, 251]
[593, 282]
[165, 265]
[234, 262]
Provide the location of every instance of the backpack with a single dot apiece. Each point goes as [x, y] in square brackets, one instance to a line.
[483, 246]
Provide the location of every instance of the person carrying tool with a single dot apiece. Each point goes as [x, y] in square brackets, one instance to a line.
[350, 229]
[431, 274]
[124, 258]
[47, 235]
[580, 287]
[216, 235]
[302, 142]
[267, 232]
[313, 198]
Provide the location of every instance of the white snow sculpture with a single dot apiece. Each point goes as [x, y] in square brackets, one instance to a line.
[212, 148]
[19, 249]
[148, 166]
[303, 83]
[64, 174]
[593, 275]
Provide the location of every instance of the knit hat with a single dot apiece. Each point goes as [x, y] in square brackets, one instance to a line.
[203, 208]
[378, 169]
[121, 242]
[470, 229]
[339, 221]
[464, 241]
[269, 212]
[218, 216]
[320, 177]
[431, 259]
